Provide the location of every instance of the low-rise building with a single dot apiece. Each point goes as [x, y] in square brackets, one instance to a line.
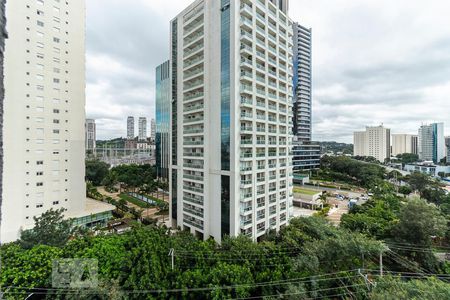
[428, 168]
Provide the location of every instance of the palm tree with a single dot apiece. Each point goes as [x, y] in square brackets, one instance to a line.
[323, 199]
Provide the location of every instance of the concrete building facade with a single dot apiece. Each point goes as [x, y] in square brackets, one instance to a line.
[162, 135]
[404, 143]
[43, 129]
[3, 36]
[374, 142]
[231, 88]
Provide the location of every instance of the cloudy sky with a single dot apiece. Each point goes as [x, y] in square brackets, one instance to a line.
[374, 61]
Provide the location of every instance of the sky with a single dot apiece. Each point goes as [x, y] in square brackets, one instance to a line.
[374, 62]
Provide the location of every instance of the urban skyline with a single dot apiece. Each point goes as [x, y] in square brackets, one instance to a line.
[338, 87]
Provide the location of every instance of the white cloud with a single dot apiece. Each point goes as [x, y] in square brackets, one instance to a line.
[374, 61]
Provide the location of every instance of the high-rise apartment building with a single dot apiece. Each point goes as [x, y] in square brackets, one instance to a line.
[374, 142]
[90, 134]
[306, 156]
[231, 117]
[432, 142]
[302, 82]
[142, 126]
[404, 143]
[162, 135]
[130, 128]
[152, 129]
[3, 36]
[43, 129]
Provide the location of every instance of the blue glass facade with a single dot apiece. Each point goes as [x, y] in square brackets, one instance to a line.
[174, 83]
[162, 120]
[225, 115]
[225, 85]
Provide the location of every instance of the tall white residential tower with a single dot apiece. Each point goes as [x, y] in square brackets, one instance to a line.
[43, 130]
[375, 142]
[231, 72]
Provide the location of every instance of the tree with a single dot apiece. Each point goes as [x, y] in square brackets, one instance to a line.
[418, 222]
[407, 158]
[430, 289]
[96, 171]
[419, 181]
[405, 190]
[49, 229]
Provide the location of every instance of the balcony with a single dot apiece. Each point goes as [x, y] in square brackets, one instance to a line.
[192, 143]
[247, 9]
[193, 200]
[245, 115]
[193, 177]
[192, 120]
[194, 107]
[193, 166]
[193, 189]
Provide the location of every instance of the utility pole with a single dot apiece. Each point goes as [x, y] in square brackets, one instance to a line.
[381, 263]
[172, 254]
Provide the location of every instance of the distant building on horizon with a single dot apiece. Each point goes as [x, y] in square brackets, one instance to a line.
[432, 142]
[130, 128]
[374, 142]
[404, 143]
[90, 134]
[162, 124]
[142, 126]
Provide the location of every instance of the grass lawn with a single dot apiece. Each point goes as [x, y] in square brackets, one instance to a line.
[305, 191]
[135, 201]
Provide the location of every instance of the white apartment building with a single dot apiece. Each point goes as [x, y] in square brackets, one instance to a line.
[90, 137]
[404, 143]
[44, 117]
[130, 128]
[231, 72]
[375, 142]
[142, 126]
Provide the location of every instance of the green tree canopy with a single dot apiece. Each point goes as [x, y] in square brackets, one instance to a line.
[49, 229]
[96, 171]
